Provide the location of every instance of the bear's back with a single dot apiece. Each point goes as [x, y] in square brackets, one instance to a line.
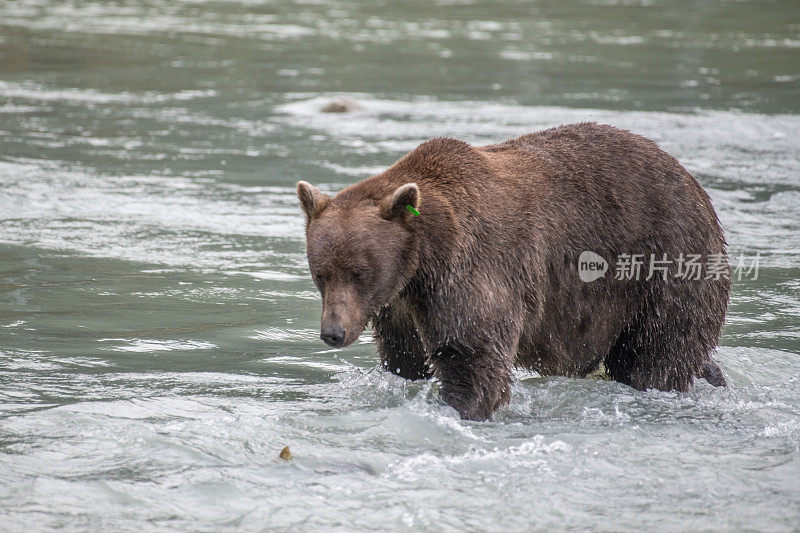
[603, 176]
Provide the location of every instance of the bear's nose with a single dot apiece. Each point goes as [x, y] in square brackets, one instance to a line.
[333, 336]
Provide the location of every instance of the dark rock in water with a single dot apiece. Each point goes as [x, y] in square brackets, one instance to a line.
[340, 106]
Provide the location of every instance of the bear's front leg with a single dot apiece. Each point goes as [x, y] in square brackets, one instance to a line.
[399, 344]
[474, 382]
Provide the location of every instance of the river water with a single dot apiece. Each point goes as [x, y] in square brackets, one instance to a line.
[159, 330]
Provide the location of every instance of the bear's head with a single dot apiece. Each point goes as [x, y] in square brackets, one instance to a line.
[362, 250]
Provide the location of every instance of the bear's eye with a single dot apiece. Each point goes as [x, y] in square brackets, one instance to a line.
[356, 276]
[319, 279]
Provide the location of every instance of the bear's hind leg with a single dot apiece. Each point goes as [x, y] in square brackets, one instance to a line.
[399, 345]
[669, 343]
[645, 359]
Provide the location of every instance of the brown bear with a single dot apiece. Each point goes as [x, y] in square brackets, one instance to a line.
[486, 276]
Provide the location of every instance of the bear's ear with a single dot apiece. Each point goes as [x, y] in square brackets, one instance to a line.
[312, 200]
[395, 205]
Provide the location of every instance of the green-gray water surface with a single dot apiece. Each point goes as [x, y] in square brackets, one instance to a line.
[159, 330]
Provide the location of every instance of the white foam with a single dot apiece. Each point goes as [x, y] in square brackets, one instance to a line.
[157, 345]
[36, 92]
[169, 220]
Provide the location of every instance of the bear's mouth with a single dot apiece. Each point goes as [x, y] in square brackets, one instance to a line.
[350, 338]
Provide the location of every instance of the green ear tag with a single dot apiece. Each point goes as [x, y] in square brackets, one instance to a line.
[412, 210]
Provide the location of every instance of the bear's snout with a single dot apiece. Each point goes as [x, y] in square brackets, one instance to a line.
[333, 336]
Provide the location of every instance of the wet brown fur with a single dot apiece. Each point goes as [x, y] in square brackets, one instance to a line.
[486, 277]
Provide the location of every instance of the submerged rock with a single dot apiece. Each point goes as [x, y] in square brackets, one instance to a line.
[340, 106]
[599, 373]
